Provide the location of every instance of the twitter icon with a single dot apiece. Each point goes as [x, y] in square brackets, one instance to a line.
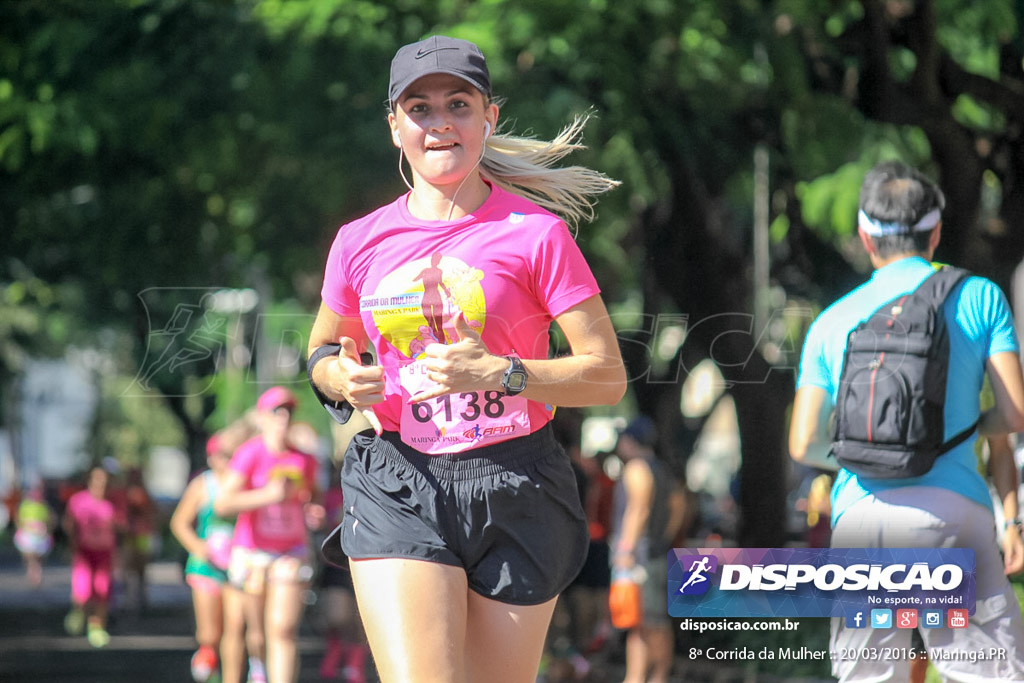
[881, 618]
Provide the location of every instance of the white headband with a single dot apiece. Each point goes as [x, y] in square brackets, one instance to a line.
[878, 229]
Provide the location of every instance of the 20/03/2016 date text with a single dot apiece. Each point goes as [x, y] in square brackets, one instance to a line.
[909, 653]
[876, 653]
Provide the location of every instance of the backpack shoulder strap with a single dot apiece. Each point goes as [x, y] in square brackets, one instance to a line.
[937, 288]
[940, 284]
[929, 296]
[959, 438]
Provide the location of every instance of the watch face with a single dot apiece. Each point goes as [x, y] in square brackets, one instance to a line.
[516, 381]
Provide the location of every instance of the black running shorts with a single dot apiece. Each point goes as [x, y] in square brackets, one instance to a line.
[509, 513]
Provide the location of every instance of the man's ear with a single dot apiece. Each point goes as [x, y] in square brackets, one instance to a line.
[933, 239]
[865, 239]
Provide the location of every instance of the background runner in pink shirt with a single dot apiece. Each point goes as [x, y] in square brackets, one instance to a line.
[269, 485]
[90, 523]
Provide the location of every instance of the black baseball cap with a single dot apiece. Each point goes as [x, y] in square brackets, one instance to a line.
[438, 54]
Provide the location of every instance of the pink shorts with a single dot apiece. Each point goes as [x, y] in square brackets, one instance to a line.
[204, 584]
[91, 575]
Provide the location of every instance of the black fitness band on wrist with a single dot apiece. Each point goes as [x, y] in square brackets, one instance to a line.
[342, 410]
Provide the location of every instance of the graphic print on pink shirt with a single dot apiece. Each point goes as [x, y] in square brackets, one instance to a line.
[508, 270]
[416, 305]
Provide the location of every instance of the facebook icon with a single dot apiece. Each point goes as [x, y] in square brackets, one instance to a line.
[856, 620]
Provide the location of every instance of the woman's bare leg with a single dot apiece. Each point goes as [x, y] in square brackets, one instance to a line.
[414, 614]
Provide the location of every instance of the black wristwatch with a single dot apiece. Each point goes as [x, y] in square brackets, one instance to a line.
[514, 380]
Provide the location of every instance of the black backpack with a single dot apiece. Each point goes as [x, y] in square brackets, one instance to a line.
[889, 411]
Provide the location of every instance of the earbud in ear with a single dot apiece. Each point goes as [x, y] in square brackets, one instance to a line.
[397, 138]
[487, 130]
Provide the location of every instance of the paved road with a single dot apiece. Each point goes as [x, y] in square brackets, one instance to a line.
[155, 645]
[152, 645]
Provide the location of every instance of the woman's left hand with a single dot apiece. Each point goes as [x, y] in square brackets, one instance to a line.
[465, 365]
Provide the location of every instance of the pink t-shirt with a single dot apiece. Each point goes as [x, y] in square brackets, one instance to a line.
[510, 268]
[280, 527]
[93, 522]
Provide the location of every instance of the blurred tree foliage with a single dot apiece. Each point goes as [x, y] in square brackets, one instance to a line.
[155, 151]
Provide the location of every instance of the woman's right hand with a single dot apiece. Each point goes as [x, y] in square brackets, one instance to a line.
[345, 377]
[361, 385]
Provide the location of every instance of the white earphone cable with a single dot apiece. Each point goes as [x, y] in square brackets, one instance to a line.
[401, 169]
[451, 207]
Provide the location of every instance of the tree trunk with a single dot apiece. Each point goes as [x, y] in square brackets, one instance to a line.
[705, 279]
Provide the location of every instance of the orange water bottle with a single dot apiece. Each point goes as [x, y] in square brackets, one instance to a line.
[625, 599]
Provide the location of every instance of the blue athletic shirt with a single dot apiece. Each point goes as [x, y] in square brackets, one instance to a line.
[981, 326]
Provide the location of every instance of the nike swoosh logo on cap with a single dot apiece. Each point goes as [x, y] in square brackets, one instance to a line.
[423, 52]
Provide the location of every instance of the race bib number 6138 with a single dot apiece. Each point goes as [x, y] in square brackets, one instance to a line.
[457, 422]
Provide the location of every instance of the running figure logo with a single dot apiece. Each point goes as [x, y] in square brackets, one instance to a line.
[698, 567]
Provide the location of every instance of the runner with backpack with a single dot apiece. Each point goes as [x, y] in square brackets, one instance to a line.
[888, 395]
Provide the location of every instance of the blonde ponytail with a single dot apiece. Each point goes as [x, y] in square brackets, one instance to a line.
[525, 166]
